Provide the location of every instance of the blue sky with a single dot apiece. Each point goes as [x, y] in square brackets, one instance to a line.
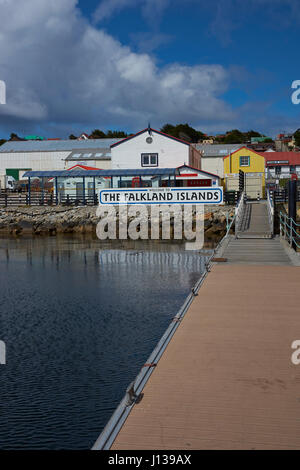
[120, 63]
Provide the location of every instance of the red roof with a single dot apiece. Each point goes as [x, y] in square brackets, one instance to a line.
[291, 158]
[83, 167]
[241, 148]
[198, 170]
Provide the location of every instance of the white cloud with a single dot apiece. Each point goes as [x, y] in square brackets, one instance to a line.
[151, 9]
[108, 8]
[61, 72]
[149, 41]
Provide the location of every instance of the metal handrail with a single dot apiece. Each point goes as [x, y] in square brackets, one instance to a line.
[228, 225]
[287, 229]
[287, 217]
[270, 206]
[238, 210]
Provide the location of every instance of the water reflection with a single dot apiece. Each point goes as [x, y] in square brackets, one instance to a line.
[79, 319]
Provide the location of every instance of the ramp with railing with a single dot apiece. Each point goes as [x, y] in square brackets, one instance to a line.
[254, 241]
[255, 219]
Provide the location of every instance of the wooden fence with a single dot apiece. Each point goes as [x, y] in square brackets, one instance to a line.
[8, 199]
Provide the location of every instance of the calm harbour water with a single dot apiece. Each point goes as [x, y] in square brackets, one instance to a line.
[79, 318]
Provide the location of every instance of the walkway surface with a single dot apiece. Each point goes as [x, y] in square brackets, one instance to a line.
[226, 380]
[254, 221]
[268, 251]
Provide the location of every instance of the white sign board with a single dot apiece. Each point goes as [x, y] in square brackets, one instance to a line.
[193, 195]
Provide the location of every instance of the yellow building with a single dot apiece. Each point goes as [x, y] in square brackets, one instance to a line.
[253, 166]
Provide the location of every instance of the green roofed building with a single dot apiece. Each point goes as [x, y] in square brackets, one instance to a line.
[34, 137]
[259, 139]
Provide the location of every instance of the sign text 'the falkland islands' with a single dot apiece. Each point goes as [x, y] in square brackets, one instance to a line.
[197, 195]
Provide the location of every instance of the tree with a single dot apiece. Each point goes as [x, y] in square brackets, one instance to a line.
[14, 136]
[97, 134]
[169, 129]
[297, 138]
[72, 137]
[252, 133]
[2, 141]
[116, 134]
[183, 131]
[235, 137]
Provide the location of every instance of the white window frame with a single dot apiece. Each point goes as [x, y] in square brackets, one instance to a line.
[149, 155]
[248, 160]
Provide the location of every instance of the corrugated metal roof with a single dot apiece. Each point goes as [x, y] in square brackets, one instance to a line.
[217, 150]
[102, 153]
[56, 145]
[129, 172]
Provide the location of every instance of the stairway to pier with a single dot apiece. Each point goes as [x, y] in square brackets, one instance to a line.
[268, 251]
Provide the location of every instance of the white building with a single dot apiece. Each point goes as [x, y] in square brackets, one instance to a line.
[281, 165]
[150, 148]
[212, 156]
[16, 157]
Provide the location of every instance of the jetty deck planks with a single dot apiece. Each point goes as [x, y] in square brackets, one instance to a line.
[226, 380]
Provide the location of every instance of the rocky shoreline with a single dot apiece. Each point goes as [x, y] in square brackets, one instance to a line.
[18, 221]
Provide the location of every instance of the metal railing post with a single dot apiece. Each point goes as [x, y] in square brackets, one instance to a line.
[284, 223]
[291, 232]
[238, 210]
[288, 229]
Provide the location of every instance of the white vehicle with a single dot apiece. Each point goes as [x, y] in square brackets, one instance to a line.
[7, 182]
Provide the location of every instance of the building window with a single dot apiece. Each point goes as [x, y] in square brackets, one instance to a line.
[244, 161]
[149, 159]
[277, 170]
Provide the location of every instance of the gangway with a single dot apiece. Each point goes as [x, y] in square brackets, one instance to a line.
[254, 241]
[256, 219]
